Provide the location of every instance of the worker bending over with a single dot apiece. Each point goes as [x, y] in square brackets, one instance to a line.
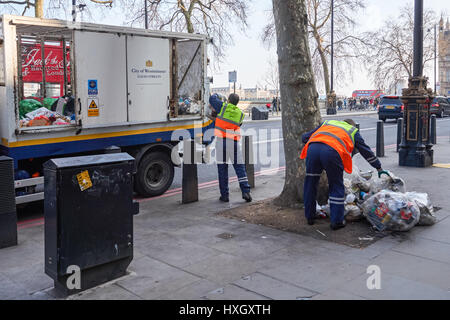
[330, 147]
[228, 121]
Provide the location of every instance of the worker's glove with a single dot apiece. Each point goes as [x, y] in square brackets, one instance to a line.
[381, 172]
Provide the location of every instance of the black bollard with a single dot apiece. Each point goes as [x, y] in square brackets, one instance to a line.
[433, 129]
[247, 150]
[190, 176]
[380, 139]
[399, 132]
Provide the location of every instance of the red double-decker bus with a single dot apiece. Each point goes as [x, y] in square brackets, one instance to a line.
[368, 94]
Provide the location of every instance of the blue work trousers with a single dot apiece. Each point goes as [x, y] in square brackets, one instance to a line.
[322, 157]
[228, 151]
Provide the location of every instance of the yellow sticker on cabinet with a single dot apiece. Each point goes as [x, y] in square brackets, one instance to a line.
[84, 181]
[93, 110]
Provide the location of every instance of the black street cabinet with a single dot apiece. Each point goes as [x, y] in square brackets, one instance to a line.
[8, 216]
[88, 210]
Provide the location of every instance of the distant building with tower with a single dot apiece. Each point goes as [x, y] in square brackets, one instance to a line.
[444, 58]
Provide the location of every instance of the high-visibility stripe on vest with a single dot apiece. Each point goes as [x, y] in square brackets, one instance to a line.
[340, 136]
[228, 122]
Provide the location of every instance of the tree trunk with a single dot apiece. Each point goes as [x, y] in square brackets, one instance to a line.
[189, 25]
[39, 9]
[300, 112]
[323, 58]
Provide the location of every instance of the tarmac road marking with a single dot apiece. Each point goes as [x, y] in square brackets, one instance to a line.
[265, 141]
[374, 128]
[442, 165]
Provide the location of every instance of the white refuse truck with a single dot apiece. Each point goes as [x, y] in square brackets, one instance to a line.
[70, 89]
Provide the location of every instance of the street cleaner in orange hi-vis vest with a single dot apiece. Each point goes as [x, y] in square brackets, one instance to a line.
[329, 147]
[227, 131]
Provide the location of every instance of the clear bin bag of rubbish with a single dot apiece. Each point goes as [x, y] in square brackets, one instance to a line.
[385, 182]
[394, 211]
[352, 213]
[359, 180]
[322, 212]
[349, 187]
[427, 217]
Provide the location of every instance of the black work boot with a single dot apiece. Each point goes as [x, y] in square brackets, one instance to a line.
[224, 199]
[337, 226]
[310, 221]
[247, 197]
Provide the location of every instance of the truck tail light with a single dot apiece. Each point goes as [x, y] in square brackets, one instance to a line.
[403, 107]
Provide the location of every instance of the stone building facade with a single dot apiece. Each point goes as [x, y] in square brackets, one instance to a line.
[444, 57]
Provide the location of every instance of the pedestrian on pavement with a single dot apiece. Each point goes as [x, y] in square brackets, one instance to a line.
[227, 131]
[345, 103]
[329, 147]
[339, 103]
[274, 104]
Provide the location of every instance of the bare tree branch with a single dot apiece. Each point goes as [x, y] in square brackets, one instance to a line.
[346, 44]
[102, 2]
[16, 2]
[54, 8]
[211, 17]
[389, 55]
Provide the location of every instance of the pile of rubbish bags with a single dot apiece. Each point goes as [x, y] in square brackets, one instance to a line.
[384, 202]
[188, 106]
[51, 111]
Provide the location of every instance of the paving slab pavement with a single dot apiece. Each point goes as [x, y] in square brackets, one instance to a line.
[181, 252]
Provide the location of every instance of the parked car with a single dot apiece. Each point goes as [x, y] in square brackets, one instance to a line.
[390, 107]
[440, 106]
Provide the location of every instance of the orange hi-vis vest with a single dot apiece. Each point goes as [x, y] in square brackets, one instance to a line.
[228, 122]
[340, 136]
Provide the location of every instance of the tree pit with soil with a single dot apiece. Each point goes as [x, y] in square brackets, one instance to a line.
[356, 234]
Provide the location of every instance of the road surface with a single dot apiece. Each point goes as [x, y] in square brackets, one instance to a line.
[263, 129]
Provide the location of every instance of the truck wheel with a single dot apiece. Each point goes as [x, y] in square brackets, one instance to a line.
[154, 175]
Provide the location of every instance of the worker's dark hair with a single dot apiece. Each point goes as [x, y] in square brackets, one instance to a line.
[233, 99]
[351, 122]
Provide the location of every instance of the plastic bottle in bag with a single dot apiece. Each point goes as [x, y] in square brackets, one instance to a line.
[388, 210]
